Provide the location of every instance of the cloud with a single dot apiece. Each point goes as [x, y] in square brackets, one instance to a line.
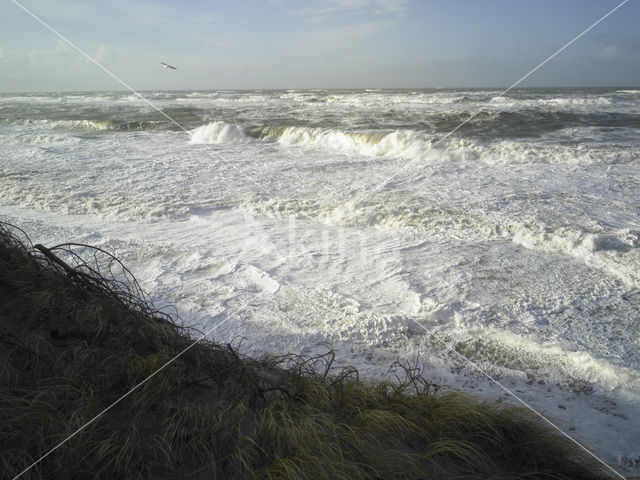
[61, 10]
[608, 52]
[391, 6]
[339, 38]
[624, 43]
[326, 9]
[104, 54]
[145, 12]
[44, 55]
[353, 31]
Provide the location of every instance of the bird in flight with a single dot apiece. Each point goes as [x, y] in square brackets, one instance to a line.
[168, 66]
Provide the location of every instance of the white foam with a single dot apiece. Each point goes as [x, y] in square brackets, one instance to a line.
[415, 145]
[82, 125]
[406, 144]
[616, 252]
[554, 362]
[218, 133]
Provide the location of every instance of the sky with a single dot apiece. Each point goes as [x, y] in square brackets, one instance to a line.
[251, 44]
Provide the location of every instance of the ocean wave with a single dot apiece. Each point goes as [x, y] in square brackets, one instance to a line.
[614, 251]
[219, 133]
[471, 101]
[89, 125]
[577, 371]
[46, 98]
[402, 143]
[421, 145]
[44, 124]
[309, 96]
[110, 203]
[565, 102]
[513, 152]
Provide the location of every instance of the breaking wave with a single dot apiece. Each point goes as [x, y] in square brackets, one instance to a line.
[403, 143]
[413, 144]
[218, 133]
[407, 143]
[89, 125]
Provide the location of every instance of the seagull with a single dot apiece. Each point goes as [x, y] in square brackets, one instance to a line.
[168, 66]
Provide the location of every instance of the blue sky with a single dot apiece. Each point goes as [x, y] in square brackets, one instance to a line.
[317, 44]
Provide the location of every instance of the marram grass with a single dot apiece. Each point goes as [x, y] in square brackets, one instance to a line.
[76, 333]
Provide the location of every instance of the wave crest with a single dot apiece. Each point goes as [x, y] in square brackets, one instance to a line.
[218, 133]
[406, 143]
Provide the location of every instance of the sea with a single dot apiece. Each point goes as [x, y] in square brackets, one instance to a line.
[489, 241]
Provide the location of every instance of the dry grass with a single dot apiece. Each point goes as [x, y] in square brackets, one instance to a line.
[76, 333]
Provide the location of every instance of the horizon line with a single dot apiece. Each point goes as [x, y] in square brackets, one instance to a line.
[248, 89]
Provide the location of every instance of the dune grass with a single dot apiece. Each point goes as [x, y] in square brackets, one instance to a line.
[76, 333]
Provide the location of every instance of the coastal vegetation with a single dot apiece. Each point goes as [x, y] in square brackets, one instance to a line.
[77, 334]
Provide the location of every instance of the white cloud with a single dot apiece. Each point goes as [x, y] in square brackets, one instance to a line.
[63, 10]
[324, 9]
[44, 55]
[343, 35]
[146, 12]
[337, 44]
[101, 54]
[143, 13]
[609, 52]
[391, 6]
[105, 54]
